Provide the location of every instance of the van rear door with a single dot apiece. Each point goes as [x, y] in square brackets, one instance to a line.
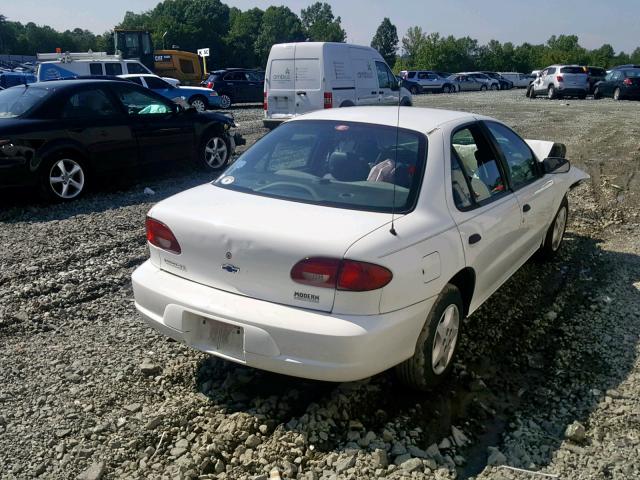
[308, 77]
[280, 83]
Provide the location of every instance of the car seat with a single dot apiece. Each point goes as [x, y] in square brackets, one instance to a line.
[345, 167]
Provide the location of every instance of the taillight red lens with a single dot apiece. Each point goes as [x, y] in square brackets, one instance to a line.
[328, 100]
[349, 275]
[627, 81]
[560, 78]
[209, 84]
[362, 277]
[159, 235]
[265, 103]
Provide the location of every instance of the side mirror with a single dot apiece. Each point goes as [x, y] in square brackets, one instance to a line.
[556, 165]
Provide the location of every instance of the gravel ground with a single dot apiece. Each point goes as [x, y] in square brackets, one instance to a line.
[548, 379]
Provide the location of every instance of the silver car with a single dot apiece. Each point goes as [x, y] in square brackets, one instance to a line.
[429, 81]
[558, 81]
[483, 80]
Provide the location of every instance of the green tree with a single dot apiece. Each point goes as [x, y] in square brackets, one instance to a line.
[386, 41]
[279, 25]
[411, 44]
[320, 25]
[243, 33]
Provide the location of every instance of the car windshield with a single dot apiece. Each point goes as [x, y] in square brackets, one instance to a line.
[17, 101]
[351, 165]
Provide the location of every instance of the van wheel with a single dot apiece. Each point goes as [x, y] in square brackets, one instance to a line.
[347, 104]
[437, 343]
[63, 177]
[414, 90]
[555, 233]
[405, 102]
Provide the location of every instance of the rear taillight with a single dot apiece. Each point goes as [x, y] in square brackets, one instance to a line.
[560, 78]
[627, 81]
[265, 102]
[210, 84]
[349, 275]
[328, 100]
[159, 235]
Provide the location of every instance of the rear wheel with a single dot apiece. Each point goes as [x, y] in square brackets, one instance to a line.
[414, 90]
[555, 233]
[551, 93]
[63, 177]
[596, 94]
[405, 102]
[483, 88]
[199, 103]
[225, 101]
[617, 95]
[437, 343]
[494, 87]
[215, 152]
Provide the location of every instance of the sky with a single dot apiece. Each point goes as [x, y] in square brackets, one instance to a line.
[594, 21]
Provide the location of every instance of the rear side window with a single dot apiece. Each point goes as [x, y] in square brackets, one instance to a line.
[574, 70]
[87, 104]
[115, 69]
[411, 74]
[95, 69]
[632, 73]
[339, 164]
[137, 80]
[550, 71]
[156, 83]
[479, 164]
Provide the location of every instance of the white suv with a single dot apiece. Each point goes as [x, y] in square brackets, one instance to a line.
[559, 81]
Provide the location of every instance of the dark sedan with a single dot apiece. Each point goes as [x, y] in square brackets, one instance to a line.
[63, 135]
[619, 84]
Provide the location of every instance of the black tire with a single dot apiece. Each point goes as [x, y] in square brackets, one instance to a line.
[405, 102]
[582, 97]
[418, 372]
[551, 93]
[414, 90]
[65, 190]
[225, 101]
[596, 94]
[211, 149]
[617, 94]
[198, 102]
[550, 248]
[347, 103]
[532, 92]
[483, 88]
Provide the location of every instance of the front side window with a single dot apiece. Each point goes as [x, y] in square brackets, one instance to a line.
[114, 69]
[141, 103]
[479, 164]
[383, 76]
[338, 164]
[88, 104]
[521, 163]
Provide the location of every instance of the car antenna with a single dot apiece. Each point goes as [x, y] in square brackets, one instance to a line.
[392, 230]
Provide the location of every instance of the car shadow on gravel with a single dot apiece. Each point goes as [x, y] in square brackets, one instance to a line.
[531, 362]
[25, 204]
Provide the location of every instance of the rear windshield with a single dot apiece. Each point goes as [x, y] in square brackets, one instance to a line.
[572, 70]
[19, 100]
[351, 165]
[632, 73]
[597, 71]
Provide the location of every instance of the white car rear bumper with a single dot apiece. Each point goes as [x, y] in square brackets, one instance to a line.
[274, 337]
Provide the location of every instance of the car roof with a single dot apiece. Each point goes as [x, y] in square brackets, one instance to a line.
[130, 75]
[422, 120]
[71, 82]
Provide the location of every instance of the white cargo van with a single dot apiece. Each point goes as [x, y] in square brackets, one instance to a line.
[302, 77]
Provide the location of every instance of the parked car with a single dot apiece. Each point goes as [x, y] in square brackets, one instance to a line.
[503, 83]
[236, 85]
[302, 77]
[402, 229]
[411, 85]
[483, 79]
[619, 84]
[429, 81]
[199, 98]
[595, 75]
[64, 135]
[519, 80]
[626, 66]
[559, 81]
[467, 83]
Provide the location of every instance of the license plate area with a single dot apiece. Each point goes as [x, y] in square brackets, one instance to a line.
[215, 337]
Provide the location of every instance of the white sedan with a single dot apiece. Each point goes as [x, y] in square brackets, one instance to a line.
[349, 241]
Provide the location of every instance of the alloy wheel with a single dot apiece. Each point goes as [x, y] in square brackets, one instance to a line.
[225, 101]
[216, 153]
[199, 105]
[66, 178]
[445, 339]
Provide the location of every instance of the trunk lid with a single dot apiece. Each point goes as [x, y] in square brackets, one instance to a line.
[248, 244]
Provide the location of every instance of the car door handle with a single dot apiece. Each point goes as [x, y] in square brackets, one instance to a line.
[474, 238]
[526, 207]
[381, 92]
[374, 93]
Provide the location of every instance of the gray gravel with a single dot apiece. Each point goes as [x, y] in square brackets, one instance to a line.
[548, 379]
